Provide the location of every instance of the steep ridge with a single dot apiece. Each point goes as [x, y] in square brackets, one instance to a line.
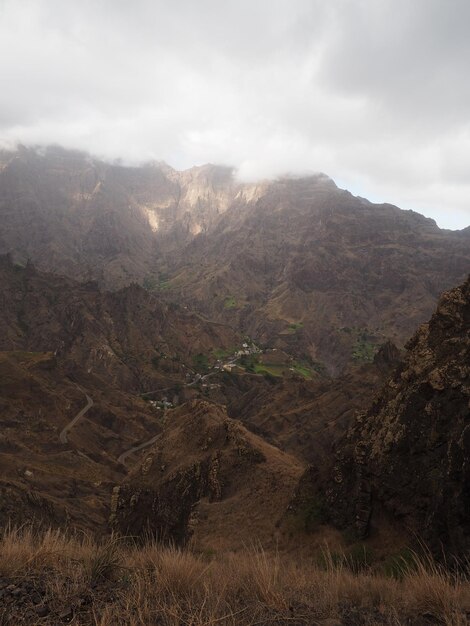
[209, 479]
[408, 456]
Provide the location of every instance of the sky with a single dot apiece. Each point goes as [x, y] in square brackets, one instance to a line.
[375, 93]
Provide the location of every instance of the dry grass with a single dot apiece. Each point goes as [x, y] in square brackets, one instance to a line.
[116, 583]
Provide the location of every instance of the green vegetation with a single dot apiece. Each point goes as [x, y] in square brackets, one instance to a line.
[221, 353]
[150, 283]
[312, 514]
[295, 326]
[272, 370]
[248, 362]
[230, 302]
[397, 565]
[163, 285]
[201, 363]
[252, 363]
[159, 282]
[303, 370]
[363, 349]
[270, 378]
[359, 558]
[307, 516]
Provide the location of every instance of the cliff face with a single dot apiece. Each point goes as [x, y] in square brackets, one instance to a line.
[85, 218]
[408, 456]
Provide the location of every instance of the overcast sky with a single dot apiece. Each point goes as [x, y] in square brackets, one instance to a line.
[376, 93]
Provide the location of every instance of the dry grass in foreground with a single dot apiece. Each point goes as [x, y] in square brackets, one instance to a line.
[53, 579]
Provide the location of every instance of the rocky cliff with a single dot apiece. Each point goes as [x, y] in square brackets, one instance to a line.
[75, 215]
[408, 456]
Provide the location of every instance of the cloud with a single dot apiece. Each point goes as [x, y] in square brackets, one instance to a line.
[374, 93]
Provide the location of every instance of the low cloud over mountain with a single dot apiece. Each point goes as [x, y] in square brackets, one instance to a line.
[370, 92]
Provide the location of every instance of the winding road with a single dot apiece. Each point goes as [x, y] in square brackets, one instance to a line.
[198, 378]
[127, 453]
[63, 435]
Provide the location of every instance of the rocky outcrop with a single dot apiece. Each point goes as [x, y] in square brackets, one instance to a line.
[205, 470]
[408, 456]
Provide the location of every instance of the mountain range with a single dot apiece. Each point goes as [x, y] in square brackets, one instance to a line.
[295, 263]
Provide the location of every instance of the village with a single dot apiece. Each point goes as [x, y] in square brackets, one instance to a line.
[249, 359]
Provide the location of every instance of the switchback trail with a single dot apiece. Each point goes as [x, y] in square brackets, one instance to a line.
[63, 435]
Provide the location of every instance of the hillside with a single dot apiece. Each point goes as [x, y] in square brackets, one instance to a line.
[51, 579]
[209, 479]
[129, 339]
[63, 346]
[307, 417]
